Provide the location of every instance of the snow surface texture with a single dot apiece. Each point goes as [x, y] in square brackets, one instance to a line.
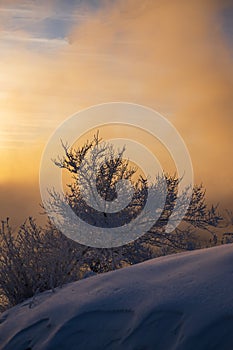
[177, 302]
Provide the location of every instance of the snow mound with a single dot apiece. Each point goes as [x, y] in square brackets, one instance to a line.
[177, 302]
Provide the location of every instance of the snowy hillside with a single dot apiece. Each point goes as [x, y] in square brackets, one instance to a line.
[178, 302]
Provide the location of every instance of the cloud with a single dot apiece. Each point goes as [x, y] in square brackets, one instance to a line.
[172, 56]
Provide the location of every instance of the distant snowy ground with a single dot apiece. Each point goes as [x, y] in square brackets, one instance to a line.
[178, 302]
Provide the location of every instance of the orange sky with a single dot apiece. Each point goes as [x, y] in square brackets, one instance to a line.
[173, 56]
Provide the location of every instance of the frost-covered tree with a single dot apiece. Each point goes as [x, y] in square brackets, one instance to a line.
[111, 167]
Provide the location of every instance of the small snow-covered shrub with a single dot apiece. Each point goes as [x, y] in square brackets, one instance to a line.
[33, 260]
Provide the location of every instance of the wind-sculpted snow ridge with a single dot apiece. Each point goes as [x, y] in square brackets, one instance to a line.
[177, 302]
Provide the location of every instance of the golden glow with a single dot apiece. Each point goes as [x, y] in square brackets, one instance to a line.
[171, 56]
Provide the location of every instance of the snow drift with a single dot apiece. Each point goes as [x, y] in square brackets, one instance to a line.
[177, 302]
